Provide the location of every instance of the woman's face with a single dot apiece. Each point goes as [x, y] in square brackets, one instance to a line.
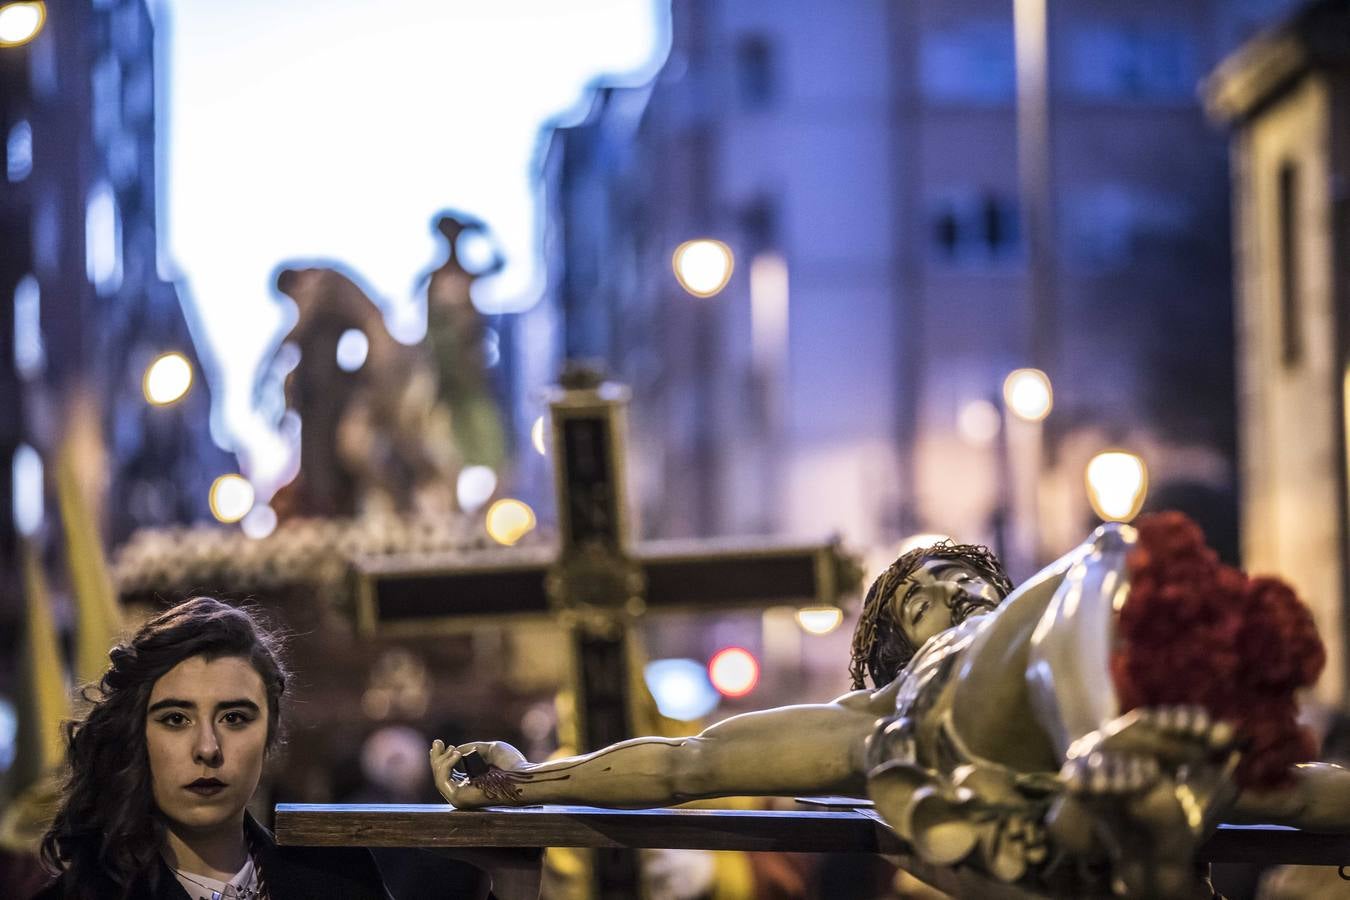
[206, 732]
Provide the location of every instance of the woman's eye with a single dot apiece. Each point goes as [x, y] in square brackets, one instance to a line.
[236, 718]
[174, 720]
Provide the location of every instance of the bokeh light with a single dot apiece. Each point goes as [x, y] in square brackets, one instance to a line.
[1028, 394]
[352, 349]
[1117, 482]
[917, 541]
[21, 22]
[537, 437]
[978, 423]
[260, 521]
[167, 379]
[474, 487]
[681, 689]
[509, 520]
[231, 498]
[9, 733]
[819, 619]
[703, 266]
[28, 493]
[734, 671]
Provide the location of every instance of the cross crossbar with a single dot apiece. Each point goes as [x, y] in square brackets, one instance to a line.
[404, 597]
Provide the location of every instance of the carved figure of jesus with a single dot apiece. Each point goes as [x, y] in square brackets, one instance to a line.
[993, 736]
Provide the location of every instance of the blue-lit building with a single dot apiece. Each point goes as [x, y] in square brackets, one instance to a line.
[86, 309]
[861, 161]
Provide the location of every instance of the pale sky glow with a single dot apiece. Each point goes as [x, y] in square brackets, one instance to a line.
[336, 132]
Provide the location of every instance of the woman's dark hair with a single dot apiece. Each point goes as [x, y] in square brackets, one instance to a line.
[880, 647]
[108, 827]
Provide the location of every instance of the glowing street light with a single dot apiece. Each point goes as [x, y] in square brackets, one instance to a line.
[231, 498]
[703, 266]
[1117, 482]
[167, 379]
[1028, 394]
[21, 22]
[734, 671]
[819, 619]
[509, 520]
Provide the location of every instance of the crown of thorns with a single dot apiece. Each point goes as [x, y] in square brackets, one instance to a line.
[880, 647]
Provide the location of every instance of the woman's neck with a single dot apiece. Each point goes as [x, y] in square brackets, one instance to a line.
[218, 853]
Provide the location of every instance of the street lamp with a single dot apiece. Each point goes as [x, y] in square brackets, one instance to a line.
[1117, 482]
[819, 619]
[703, 266]
[21, 22]
[1027, 400]
[1028, 394]
[509, 520]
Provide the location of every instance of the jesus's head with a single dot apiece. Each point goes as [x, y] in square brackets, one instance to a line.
[924, 592]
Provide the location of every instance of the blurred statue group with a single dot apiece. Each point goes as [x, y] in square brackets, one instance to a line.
[387, 426]
[1080, 735]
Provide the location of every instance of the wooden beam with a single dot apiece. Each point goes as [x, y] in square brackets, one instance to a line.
[439, 825]
[414, 596]
[828, 831]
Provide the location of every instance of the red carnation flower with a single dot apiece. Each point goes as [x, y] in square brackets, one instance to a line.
[1194, 631]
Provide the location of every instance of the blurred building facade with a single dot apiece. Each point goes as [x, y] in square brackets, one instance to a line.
[861, 161]
[1286, 96]
[85, 310]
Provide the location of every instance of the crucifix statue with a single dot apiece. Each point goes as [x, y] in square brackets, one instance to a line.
[599, 584]
[1080, 736]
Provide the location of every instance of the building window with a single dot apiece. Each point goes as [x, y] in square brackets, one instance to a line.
[47, 231]
[19, 151]
[968, 63]
[974, 227]
[42, 70]
[755, 82]
[759, 224]
[28, 499]
[103, 240]
[1131, 62]
[106, 102]
[29, 354]
[123, 159]
[1291, 307]
[1104, 226]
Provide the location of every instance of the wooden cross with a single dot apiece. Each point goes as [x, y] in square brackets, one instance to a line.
[598, 584]
[837, 830]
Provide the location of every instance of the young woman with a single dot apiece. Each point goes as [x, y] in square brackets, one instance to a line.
[165, 760]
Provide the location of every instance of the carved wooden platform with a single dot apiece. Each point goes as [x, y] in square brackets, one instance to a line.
[813, 831]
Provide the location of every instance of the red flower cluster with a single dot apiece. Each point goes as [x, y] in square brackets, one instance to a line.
[1195, 631]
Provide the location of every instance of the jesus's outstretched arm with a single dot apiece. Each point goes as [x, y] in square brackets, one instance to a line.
[806, 749]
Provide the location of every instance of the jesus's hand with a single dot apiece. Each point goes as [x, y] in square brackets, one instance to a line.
[494, 788]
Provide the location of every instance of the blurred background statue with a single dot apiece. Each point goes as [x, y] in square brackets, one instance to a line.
[386, 426]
